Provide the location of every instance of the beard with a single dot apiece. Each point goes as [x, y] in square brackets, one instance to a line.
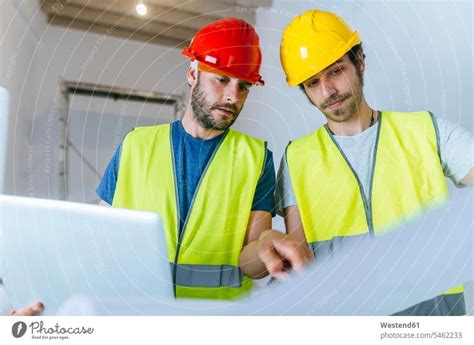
[349, 110]
[202, 111]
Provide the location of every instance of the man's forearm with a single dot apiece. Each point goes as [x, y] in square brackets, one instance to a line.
[250, 261]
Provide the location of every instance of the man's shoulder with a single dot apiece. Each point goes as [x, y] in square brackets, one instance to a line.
[246, 137]
[406, 115]
[146, 131]
[414, 122]
[305, 140]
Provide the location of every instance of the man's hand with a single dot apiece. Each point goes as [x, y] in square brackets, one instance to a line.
[281, 253]
[30, 310]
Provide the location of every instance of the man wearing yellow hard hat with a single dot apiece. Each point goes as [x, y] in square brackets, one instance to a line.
[365, 170]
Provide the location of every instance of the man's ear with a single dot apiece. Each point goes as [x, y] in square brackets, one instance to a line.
[361, 57]
[191, 76]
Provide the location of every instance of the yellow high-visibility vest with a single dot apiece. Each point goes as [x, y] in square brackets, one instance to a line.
[205, 258]
[406, 177]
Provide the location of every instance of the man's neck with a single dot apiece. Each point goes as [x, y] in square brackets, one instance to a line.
[194, 128]
[358, 123]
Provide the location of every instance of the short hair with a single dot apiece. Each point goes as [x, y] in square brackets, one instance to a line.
[353, 54]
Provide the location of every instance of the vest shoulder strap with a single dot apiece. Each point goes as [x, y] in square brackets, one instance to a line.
[139, 134]
[246, 138]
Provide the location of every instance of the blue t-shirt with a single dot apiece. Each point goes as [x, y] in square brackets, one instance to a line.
[191, 157]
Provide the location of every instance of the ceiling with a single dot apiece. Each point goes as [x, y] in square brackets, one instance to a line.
[168, 22]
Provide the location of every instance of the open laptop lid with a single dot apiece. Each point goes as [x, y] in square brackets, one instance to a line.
[53, 250]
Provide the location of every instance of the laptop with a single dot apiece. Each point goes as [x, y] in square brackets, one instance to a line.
[4, 102]
[54, 250]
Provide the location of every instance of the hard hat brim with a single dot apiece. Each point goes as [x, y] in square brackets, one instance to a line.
[318, 67]
[212, 69]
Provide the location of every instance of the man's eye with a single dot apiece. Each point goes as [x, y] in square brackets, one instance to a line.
[245, 87]
[313, 83]
[337, 71]
[222, 80]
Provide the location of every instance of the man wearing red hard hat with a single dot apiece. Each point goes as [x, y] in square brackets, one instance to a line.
[213, 186]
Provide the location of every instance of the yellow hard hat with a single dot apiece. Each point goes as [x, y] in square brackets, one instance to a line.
[313, 41]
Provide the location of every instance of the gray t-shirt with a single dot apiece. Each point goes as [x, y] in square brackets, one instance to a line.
[456, 149]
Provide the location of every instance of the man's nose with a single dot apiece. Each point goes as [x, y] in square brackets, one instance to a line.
[232, 93]
[327, 88]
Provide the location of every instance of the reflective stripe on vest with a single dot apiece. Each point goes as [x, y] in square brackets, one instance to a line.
[205, 258]
[208, 275]
[406, 176]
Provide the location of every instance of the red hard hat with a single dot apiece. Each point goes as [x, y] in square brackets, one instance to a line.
[230, 46]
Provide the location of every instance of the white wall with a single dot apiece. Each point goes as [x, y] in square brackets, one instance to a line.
[18, 43]
[36, 56]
